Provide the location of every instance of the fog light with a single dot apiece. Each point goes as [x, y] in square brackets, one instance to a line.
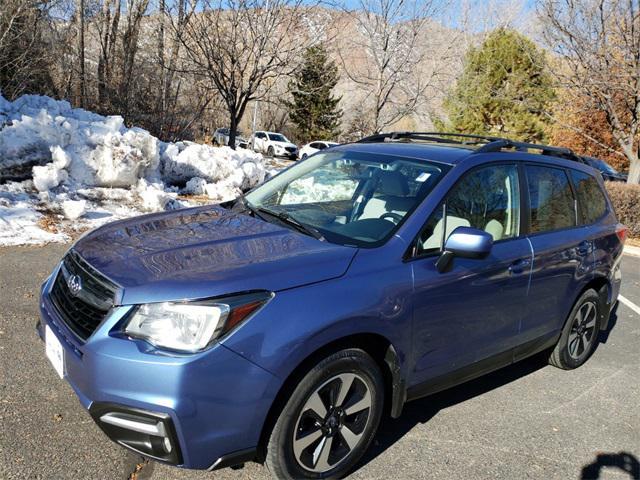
[149, 433]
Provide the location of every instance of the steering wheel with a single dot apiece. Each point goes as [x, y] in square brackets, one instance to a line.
[395, 217]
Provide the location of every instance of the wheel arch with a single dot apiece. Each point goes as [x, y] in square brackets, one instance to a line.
[602, 286]
[381, 350]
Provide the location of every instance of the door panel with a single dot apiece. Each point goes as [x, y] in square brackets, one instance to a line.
[562, 252]
[470, 313]
[473, 311]
[563, 263]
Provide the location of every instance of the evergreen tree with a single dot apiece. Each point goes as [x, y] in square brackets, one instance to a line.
[314, 110]
[504, 90]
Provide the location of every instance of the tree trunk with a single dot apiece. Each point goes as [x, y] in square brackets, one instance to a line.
[82, 89]
[634, 171]
[162, 92]
[233, 127]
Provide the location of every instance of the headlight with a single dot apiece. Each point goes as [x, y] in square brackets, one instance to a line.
[192, 326]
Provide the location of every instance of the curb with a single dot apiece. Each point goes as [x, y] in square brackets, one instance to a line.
[629, 250]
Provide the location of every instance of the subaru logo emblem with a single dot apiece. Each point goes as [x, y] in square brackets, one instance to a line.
[75, 284]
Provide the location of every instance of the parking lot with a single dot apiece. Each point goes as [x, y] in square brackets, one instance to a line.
[529, 420]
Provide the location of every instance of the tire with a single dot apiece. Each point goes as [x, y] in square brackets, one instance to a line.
[270, 152]
[580, 334]
[304, 155]
[332, 449]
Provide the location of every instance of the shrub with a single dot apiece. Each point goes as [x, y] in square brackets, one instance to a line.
[626, 201]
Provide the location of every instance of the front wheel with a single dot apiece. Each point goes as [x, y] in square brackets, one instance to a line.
[580, 334]
[330, 419]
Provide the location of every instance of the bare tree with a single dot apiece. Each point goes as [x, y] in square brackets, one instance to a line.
[107, 24]
[169, 61]
[599, 40]
[388, 38]
[136, 9]
[82, 79]
[24, 58]
[241, 45]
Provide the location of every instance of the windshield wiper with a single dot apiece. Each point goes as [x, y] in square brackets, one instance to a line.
[288, 219]
[247, 205]
[282, 216]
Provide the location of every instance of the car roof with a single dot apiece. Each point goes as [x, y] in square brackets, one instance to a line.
[422, 151]
[400, 144]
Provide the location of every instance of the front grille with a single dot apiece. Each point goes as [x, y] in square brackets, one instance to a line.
[82, 312]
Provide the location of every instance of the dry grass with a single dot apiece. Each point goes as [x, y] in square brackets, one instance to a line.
[634, 242]
[626, 201]
[48, 223]
[199, 199]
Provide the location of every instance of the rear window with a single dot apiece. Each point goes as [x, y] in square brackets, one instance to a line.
[591, 201]
[552, 203]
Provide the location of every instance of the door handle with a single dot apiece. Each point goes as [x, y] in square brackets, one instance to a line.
[519, 266]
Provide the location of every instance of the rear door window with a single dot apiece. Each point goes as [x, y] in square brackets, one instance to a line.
[591, 202]
[551, 199]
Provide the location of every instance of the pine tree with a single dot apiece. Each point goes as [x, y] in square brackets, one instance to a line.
[504, 90]
[314, 110]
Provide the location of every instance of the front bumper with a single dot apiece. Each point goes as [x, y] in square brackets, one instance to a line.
[285, 154]
[211, 405]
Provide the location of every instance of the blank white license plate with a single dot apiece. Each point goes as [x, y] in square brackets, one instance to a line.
[54, 350]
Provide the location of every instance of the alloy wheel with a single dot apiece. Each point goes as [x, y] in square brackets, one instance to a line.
[583, 331]
[332, 422]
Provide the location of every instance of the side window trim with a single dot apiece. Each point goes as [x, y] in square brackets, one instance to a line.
[411, 254]
[525, 201]
[574, 192]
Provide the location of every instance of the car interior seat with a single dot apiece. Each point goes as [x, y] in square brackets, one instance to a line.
[390, 196]
[434, 240]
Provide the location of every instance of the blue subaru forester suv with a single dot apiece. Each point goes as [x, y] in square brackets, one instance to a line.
[279, 327]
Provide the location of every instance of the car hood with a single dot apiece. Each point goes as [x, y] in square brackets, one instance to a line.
[206, 252]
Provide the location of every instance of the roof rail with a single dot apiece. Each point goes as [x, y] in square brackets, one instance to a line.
[489, 143]
[437, 137]
[503, 143]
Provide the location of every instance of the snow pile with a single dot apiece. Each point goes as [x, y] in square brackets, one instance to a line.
[74, 209]
[77, 170]
[324, 186]
[220, 172]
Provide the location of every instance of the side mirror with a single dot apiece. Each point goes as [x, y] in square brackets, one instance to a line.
[464, 242]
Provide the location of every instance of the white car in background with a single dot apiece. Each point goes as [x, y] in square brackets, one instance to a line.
[313, 147]
[221, 137]
[273, 145]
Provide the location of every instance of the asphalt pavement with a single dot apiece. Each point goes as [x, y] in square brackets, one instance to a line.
[529, 420]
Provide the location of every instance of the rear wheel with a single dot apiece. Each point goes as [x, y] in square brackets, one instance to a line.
[330, 420]
[270, 152]
[579, 336]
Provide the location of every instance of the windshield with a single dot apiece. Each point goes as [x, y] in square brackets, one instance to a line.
[276, 137]
[350, 198]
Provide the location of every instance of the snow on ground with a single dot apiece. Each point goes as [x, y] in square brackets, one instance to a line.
[83, 170]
